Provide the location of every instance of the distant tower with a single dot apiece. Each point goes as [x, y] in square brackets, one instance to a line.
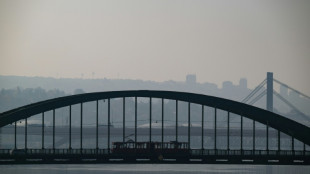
[270, 91]
[243, 83]
[191, 79]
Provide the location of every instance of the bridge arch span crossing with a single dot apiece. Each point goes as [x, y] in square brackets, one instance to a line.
[278, 122]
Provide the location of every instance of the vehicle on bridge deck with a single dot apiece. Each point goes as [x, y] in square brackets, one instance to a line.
[157, 149]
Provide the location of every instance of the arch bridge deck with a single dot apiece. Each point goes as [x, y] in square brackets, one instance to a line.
[210, 156]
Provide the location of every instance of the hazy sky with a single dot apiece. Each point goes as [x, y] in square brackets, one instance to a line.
[158, 40]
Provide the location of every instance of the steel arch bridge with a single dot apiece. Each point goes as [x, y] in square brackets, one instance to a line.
[163, 154]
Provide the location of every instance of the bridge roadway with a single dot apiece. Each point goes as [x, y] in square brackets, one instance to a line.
[210, 156]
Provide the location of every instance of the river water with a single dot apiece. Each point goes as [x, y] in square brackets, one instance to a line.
[152, 169]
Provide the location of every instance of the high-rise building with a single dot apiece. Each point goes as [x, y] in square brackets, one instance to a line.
[191, 79]
[243, 83]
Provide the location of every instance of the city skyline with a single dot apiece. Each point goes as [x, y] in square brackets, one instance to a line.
[157, 40]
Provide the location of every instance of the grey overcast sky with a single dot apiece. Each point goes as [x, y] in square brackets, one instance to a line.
[158, 40]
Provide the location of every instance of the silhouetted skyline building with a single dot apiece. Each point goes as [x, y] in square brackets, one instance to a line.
[243, 83]
[191, 79]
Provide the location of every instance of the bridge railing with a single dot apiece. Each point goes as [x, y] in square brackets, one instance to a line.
[53, 151]
[218, 152]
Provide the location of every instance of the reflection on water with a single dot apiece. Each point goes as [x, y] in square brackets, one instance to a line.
[153, 169]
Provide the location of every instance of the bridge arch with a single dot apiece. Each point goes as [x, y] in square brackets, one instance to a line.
[278, 122]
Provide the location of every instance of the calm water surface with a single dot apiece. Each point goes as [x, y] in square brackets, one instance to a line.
[152, 168]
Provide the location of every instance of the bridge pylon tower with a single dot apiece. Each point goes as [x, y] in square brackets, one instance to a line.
[269, 98]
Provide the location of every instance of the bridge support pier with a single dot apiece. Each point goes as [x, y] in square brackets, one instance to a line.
[81, 131]
[97, 125]
[228, 128]
[202, 126]
[109, 124]
[54, 129]
[15, 138]
[123, 119]
[241, 132]
[162, 122]
[176, 120]
[136, 113]
[215, 117]
[189, 125]
[26, 135]
[70, 126]
[253, 135]
[42, 130]
[150, 119]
